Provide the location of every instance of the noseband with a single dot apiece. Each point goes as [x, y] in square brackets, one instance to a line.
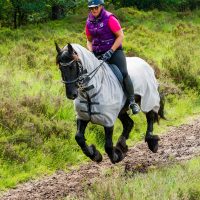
[80, 70]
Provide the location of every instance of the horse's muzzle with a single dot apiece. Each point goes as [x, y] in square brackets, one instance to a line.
[72, 96]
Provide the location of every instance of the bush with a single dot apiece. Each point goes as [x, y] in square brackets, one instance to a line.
[182, 69]
[180, 5]
[194, 193]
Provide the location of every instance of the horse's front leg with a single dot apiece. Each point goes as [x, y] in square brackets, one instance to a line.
[89, 151]
[128, 124]
[115, 154]
[152, 140]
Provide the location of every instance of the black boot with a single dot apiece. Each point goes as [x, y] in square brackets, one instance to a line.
[133, 105]
[130, 95]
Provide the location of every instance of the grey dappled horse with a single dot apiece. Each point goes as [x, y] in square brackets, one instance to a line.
[99, 98]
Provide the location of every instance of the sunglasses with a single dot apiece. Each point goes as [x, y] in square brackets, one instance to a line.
[94, 8]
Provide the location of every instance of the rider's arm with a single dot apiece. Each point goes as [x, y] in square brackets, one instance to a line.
[118, 41]
[115, 27]
[89, 39]
[89, 43]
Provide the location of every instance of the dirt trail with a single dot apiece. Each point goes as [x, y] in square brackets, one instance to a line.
[179, 143]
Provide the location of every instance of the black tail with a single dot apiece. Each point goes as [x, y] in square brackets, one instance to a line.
[160, 113]
[162, 106]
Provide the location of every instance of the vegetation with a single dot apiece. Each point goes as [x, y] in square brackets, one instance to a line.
[178, 181]
[37, 122]
[15, 13]
[26, 11]
[179, 5]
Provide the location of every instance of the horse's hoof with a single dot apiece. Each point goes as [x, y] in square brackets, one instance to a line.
[121, 144]
[120, 156]
[97, 157]
[152, 141]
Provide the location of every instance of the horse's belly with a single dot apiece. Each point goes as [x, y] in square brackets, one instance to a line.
[105, 115]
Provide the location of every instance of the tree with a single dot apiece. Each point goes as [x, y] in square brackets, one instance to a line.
[1, 8]
[60, 7]
[22, 8]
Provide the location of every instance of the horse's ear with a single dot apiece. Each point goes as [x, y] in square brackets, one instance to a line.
[58, 49]
[70, 49]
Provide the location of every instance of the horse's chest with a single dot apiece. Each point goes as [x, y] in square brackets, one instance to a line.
[101, 109]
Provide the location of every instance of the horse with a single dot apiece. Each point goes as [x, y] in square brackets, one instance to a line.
[99, 98]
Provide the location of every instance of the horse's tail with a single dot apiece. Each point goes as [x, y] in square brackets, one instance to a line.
[160, 113]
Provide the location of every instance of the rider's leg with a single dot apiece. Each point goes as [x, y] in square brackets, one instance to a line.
[119, 60]
[130, 93]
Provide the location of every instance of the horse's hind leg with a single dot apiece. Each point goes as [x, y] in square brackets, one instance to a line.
[128, 124]
[152, 140]
[89, 151]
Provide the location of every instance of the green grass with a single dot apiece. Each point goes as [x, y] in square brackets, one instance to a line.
[37, 122]
[178, 181]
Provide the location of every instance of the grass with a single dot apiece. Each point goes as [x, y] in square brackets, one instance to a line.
[37, 122]
[178, 181]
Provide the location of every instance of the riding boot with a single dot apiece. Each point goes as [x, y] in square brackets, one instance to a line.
[130, 95]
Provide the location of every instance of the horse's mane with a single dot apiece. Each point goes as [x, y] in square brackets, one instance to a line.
[88, 59]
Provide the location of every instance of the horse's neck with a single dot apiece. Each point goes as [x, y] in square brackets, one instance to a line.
[90, 63]
[96, 74]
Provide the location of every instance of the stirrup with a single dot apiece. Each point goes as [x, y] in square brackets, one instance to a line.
[135, 108]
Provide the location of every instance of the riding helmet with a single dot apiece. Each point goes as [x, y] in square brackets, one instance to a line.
[93, 3]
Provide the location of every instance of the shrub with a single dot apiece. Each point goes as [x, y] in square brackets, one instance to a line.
[182, 69]
[194, 192]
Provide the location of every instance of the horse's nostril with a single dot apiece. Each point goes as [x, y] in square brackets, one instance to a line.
[74, 96]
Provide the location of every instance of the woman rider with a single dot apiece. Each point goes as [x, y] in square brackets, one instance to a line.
[104, 39]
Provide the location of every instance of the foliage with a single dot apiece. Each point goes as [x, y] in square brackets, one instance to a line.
[182, 66]
[25, 11]
[19, 12]
[37, 123]
[178, 181]
[182, 69]
[180, 5]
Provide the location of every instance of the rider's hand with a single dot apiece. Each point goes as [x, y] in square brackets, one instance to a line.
[106, 56]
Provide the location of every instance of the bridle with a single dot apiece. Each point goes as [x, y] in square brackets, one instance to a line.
[83, 78]
[80, 71]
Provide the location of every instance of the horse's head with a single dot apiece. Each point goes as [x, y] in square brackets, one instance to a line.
[71, 69]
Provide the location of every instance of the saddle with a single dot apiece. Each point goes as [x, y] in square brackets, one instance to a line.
[115, 70]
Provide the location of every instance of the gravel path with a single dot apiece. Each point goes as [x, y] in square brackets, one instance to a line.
[179, 143]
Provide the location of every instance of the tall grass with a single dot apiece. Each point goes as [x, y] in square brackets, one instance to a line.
[37, 122]
[180, 181]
